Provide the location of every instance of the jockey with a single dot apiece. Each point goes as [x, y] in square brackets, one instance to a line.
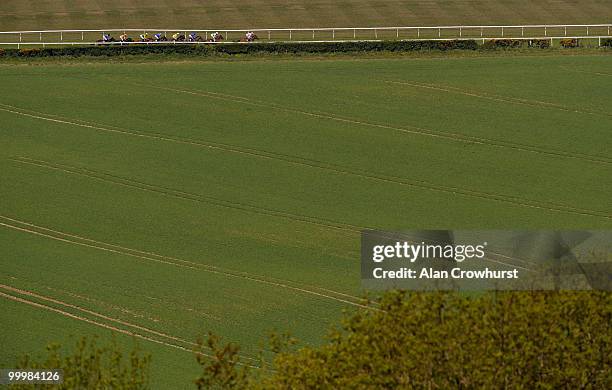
[176, 36]
[106, 37]
[215, 36]
[250, 36]
[145, 37]
[123, 37]
[158, 36]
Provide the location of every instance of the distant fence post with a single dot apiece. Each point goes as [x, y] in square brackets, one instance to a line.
[290, 35]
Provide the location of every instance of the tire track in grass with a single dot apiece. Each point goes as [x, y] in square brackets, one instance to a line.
[585, 71]
[319, 288]
[517, 201]
[550, 206]
[124, 310]
[99, 302]
[106, 177]
[498, 98]
[93, 313]
[27, 227]
[110, 327]
[414, 130]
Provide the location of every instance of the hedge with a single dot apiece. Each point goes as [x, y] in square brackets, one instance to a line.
[516, 43]
[568, 43]
[233, 48]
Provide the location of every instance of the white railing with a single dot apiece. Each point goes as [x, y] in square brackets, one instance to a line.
[545, 31]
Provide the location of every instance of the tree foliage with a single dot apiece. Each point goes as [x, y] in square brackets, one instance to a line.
[513, 340]
[90, 366]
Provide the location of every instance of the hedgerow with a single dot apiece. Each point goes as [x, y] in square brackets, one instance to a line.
[502, 43]
[568, 43]
[234, 48]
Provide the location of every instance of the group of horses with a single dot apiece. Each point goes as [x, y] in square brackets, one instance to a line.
[177, 37]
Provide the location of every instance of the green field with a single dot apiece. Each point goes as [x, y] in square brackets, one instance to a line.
[169, 199]
[199, 14]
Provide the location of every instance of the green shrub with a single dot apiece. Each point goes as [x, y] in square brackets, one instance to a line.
[233, 48]
[607, 42]
[502, 44]
[512, 340]
[90, 366]
[30, 52]
[539, 43]
[569, 43]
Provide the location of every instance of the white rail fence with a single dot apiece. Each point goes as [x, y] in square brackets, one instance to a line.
[89, 37]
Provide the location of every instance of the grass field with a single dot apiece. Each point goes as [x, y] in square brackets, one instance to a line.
[198, 14]
[169, 199]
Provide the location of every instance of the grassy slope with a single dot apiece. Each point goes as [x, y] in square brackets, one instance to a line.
[564, 107]
[16, 14]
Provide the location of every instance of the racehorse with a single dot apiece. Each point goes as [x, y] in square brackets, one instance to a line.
[250, 37]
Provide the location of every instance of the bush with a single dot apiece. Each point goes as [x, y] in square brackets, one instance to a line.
[539, 43]
[90, 366]
[502, 44]
[29, 52]
[569, 43]
[513, 340]
[232, 48]
[606, 42]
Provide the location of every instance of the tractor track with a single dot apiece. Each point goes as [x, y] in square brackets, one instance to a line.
[22, 299]
[118, 180]
[500, 98]
[337, 169]
[27, 227]
[415, 130]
